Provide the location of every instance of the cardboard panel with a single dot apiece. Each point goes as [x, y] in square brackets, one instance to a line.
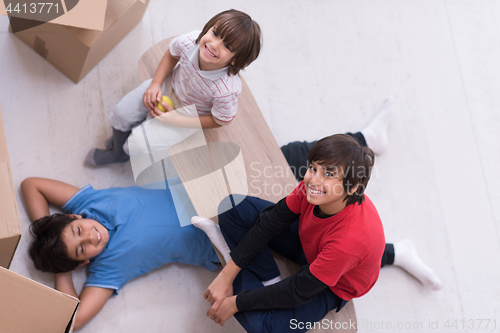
[27, 306]
[114, 12]
[58, 46]
[7, 200]
[87, 14]
[8, 246]
[122, 16]
[10, 227]
[4, 154]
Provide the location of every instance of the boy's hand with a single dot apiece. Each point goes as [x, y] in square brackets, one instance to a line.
[152, 96]
[170, 117]
[158, 113]
[217, 291]
[226, 310]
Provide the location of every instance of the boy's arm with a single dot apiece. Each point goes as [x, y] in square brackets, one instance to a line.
[295, 290]
[173, 118]
[154, 93]
[272, 220]
[38, 193]
[92, 299]
[330, 264]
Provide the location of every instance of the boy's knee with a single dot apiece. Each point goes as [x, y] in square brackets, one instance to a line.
[263, 321]
[225, 205]
[228, 208]
[236, 210]
[224, 209]
[230, 202]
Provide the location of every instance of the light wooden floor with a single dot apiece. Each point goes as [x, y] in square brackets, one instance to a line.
[325, 68]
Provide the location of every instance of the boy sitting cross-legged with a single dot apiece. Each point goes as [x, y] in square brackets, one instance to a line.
[327, 225]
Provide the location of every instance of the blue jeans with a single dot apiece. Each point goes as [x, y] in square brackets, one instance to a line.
[235, 223]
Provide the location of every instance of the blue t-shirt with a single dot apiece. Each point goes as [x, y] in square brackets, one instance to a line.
[144, 233]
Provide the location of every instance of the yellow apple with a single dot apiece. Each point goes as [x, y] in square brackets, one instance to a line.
[167, 100]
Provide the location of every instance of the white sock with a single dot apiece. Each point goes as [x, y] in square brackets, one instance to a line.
[405, 256]
[213, 232]
[376, 132]
[272, 281]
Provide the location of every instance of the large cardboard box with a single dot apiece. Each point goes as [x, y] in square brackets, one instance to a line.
[10, 228]
[70, 44]
[27, 306]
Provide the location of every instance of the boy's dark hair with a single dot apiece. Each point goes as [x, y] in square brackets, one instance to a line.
[352, 162]
[47, 250]
[240, 33]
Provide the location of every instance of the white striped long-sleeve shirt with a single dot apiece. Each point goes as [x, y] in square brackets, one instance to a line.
[213, 92]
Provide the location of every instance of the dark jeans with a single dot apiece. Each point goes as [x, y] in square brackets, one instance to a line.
[296, 156]
[234, 224]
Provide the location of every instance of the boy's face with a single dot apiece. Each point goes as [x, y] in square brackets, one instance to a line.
[84, 238]
[213, 52]
[324, 188]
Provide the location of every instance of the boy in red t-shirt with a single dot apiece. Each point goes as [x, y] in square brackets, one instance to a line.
[327, 225]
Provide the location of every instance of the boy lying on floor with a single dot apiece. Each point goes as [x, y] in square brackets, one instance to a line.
[121, 233]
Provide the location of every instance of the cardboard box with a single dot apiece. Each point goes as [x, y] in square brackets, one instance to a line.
[75, 51]
[10, 227]
[87, 14]
[27, 306]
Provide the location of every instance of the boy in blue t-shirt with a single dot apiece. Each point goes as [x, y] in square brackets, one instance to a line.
[121, 233]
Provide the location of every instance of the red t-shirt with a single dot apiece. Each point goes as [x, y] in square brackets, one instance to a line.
[345, 250]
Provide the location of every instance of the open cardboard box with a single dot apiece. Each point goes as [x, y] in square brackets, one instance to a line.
[10, 227]
[76, 41]
[27, 306]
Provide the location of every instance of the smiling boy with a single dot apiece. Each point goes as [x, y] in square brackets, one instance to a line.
[84, 238]
[327, 225]
[199, 68]
[122, 233]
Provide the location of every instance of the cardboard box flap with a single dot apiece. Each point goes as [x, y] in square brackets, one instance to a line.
[114, 11]
[4, 154]
[9, 219]
[28, 306]
[87, 14]
[8, 247]
[10, 228]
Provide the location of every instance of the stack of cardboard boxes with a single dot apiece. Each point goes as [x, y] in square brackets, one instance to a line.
[74, 43]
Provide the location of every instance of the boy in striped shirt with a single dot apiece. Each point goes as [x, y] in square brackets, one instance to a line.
[199, 68]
